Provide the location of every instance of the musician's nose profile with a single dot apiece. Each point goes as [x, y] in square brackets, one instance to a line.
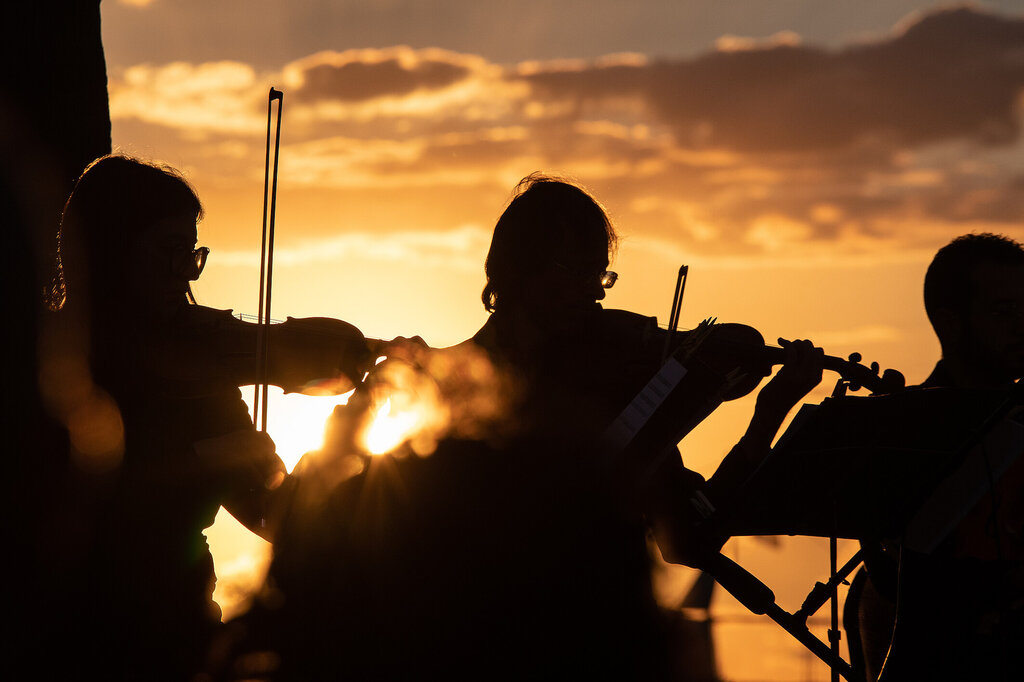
[163, 262]
[586, 275]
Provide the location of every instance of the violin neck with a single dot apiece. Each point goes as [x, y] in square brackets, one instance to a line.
[773, 355]
[854, 372]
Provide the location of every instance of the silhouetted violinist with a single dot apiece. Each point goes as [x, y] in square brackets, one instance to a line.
[958, 610]
[546, 272]
[161, 430]
[519, 548]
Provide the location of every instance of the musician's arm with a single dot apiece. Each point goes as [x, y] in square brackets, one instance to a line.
[799, 375]
[679, 502]
[673, 516]
[244, 465]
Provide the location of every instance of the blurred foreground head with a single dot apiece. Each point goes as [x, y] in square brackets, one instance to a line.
[128, 237]
[974, 297]
[549, 252]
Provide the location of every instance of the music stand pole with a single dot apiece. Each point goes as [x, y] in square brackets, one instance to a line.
[833, 633]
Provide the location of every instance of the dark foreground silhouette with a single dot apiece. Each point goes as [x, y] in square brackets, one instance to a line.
[518, 547]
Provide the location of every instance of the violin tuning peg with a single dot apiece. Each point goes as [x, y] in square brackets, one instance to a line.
[875, 367]
[855, 357]
[894, 379]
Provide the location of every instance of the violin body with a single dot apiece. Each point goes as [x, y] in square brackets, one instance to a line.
[703, 368]
[315, 356]
[728, 347]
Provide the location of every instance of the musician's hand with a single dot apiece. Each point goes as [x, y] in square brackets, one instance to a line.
[250, 478]
[318, 356]
[800, 373]
[404, 348]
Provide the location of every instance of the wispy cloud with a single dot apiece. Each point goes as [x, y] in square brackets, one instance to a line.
[216, 97]
[462, 248]
[731, 43]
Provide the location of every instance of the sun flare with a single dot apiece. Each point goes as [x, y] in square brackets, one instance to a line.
[296, 422]
[390, 428]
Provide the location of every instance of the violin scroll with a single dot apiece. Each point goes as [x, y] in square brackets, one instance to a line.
[857, 376]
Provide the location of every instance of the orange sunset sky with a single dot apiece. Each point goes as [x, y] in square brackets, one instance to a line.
[805, 158]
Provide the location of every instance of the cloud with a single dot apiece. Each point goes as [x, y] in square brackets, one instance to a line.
[358, 75]
[955, 73]
[731, 43]
[758, 147]
[461, 248]
[813, 144]
[198, 99]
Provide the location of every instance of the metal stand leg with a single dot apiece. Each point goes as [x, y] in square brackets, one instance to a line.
[834, 634]
[760, 600]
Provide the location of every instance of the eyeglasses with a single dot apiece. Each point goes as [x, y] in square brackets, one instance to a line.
[607, 277]
[190, 262]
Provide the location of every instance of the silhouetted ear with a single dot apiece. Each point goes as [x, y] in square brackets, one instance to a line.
[949, 326]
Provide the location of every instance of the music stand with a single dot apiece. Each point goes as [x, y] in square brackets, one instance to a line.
[909, 465]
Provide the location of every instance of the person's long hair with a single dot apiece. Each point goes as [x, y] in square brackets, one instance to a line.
[115, 200]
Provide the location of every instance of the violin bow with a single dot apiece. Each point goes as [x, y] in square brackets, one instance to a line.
[259, 409]
[673, 316]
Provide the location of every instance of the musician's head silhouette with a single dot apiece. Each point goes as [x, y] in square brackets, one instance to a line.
[974, 297]
[128, 236]
[550, 250]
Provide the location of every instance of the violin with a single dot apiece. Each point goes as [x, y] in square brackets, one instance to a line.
[202, 346]
[728, 346]
[614, 355]
[704, 367]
